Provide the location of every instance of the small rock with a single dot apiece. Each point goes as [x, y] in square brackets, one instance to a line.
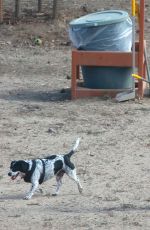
[67, 43]
[68, 77]
[51, 130]
[147, 20]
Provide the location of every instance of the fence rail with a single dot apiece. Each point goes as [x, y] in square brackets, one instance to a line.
[26, 7]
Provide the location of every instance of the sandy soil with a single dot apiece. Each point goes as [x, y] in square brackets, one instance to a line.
[38, 118]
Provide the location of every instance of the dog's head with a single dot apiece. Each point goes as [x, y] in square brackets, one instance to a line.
[18, 168]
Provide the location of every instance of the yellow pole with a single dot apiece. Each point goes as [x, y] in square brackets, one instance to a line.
[140, 78]
[133, 8]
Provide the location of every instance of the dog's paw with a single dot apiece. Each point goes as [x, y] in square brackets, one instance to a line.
[27, 197]
[80, 190]
[39, 191]
[54, 194]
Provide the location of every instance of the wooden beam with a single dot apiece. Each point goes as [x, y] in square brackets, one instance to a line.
[96, 58]
[86, 92]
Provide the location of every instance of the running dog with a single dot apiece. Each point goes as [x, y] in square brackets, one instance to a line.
[37, 171]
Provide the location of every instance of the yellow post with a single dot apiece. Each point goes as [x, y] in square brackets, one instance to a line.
[137, 11]
[133, 7]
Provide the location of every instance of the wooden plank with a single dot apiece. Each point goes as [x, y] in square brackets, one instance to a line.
[98, 58]
[86, 92]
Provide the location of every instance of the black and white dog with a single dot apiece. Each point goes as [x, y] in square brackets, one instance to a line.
[39, 170]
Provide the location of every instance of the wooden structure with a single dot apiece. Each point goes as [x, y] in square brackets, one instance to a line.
[113, 59]
[39, 8]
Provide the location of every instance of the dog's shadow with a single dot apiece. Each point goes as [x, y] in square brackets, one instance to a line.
[21, 196]
[37, 96]
[11, 197]
[16, 196]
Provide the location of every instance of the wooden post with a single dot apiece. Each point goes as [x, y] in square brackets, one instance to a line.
[39, 6]
[75, 75]
[1, 11]
[54, 9]
[17, 8]
[141, 47]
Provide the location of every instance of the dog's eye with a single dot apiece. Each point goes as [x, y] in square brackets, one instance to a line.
[12, 164]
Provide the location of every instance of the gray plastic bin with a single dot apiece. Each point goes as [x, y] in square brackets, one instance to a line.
[104, 31]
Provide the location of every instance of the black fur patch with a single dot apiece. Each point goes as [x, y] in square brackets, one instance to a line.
[20, 166]
[68, 162]
[58, 166]
[52, 157]
[43, 173]
[28, 175]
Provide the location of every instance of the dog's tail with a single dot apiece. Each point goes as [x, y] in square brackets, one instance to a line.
[74, 148]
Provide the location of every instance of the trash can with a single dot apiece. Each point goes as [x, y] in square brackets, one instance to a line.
[104, 31]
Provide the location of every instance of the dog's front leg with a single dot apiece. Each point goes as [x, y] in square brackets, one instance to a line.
[32, 190]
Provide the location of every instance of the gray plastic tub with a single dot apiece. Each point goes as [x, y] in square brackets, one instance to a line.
[104, 31]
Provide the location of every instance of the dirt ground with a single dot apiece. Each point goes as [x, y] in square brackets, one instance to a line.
[37, 118]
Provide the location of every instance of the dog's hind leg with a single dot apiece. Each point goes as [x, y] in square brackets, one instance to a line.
[59, 177]
[72, 174]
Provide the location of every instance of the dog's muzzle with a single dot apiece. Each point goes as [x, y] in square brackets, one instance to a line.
[13, 175]
[9, 174]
